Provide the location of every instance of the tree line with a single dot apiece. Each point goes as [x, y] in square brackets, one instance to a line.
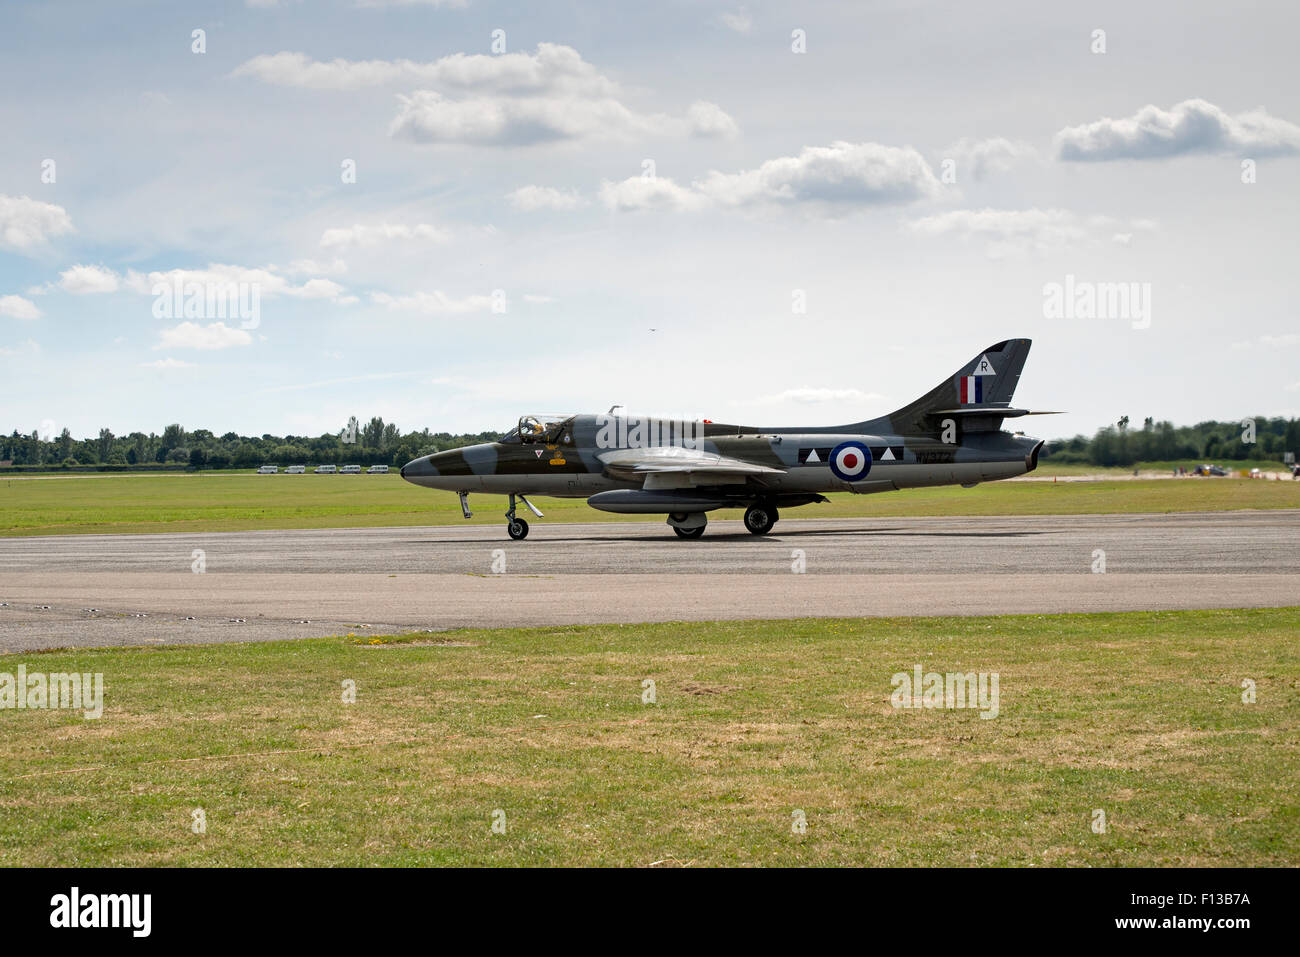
[382, 443]
[1122, 444]
[375, 443]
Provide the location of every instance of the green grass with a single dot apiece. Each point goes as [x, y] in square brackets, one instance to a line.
[232, 502]
[1138, 714]
[1051, 467]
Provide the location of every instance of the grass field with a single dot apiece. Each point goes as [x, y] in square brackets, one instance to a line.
[1138, 715]
[219, 502]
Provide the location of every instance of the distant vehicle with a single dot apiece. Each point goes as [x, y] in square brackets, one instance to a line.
[350, 470]
[268, 470]
[377, 470]
[295, 469]
[325, 469]
[1210, 470]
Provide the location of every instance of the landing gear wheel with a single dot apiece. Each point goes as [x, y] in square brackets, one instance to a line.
[759, 519]
[689, 532]
[517, 529]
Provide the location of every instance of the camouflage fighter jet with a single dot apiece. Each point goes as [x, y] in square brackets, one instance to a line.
[952, 435]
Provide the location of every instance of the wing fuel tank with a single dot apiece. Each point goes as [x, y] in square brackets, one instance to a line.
[639, 501]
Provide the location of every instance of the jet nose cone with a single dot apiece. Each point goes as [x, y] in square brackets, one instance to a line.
[420, 468]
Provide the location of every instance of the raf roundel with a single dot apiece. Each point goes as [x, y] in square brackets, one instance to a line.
[850, 461]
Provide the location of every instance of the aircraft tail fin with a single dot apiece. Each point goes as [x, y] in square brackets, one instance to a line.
[979, 394]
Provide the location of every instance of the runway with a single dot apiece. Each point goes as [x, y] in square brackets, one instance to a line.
[92, 590]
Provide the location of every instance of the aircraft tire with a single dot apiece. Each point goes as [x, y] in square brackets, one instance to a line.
[689, 532]
[760, 518]
[517, 529]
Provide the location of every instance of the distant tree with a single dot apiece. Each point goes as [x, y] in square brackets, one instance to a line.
[198, 458]
[372, 434]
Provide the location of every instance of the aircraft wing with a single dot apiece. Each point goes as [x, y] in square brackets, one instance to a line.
[675, 465]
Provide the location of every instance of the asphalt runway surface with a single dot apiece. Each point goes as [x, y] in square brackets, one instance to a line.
[93, 590]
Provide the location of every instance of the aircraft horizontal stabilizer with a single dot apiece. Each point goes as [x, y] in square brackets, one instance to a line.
[991, 410]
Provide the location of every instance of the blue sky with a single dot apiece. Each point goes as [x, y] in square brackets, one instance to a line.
[914, 178]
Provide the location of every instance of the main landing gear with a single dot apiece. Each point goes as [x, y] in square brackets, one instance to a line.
[517, 528]
[759, 518]
[688, 524]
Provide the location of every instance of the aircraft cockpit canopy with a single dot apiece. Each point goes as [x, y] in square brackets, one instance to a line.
[538, 428]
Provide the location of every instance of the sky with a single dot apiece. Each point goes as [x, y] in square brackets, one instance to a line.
[450, 214]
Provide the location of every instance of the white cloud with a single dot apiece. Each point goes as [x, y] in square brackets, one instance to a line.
[979, 158]
[88, 280]
[167, 363]
[842, 174]
[1022, 230]
[373, 235]
[225, 277]
[513, 99]
[652, 192]
[553, 69]
[739, 21]
[541, 300]
[16, 307]
[432, 303]
[708, 119]
[26, 346]
[532, 198]
[1192, 126]
[191, 335]
[28, 222]
[427, 116]
[832, 178]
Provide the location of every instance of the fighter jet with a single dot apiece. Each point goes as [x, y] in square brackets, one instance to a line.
[685, 469]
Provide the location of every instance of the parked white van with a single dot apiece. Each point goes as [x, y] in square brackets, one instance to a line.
[377, 470]
[350, 470]
[294, 469]
[268, 470]
[325, 469]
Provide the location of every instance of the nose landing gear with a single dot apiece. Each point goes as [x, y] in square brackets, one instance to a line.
[517, 528]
